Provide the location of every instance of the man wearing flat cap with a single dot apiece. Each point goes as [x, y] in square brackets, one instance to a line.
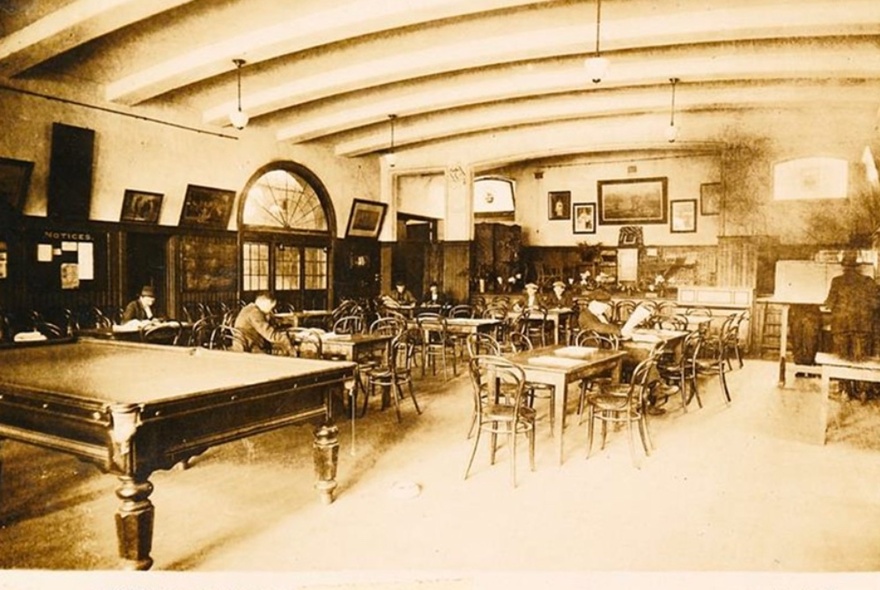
[852, 299]
[559, 297]
[141, 309]
[530, 300]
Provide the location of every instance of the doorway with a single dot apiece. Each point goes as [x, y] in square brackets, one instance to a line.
[146, 263]
[415, 234]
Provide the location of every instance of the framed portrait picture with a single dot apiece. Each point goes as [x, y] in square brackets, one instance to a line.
[141, 206]
[15, 179]
[365, 219]
[584, 218]
[206, 207]
[710, 198]
[632, 200]
[683, 216]
[559, 204]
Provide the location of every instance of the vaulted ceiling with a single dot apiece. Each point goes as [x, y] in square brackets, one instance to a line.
[466, 71]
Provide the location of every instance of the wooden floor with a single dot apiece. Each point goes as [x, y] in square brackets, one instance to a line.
[729, 489]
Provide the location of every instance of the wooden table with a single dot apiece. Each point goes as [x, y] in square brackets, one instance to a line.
[644, 340]
[465, 326]
[543, 365]
[835, 367]
[134, 408]
[556, 315]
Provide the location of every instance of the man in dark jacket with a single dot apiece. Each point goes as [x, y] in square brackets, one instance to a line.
[852, 299]
[141, 309]
[257, 333]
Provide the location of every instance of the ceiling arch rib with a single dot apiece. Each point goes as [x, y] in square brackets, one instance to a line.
[605, 105]
[748, 23]
[836, 62]
[72, 25]
[332, 25]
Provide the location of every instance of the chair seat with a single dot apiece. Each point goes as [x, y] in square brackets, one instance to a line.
[505, 413]
[609, 401]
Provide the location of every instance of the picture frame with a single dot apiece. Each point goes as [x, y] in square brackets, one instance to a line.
[710, 198]
[559, 205]
[141, 206]
[15, 180]
[632, 200]
[365, 219]
[683, 216]
[206, 207]
[583, 219]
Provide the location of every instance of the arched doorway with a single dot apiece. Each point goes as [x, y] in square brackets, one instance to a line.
[286, 227]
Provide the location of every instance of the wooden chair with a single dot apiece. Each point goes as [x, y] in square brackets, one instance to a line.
[391, 325]
[168, 332]
[393, 375]
[590, 338]
[306, 343]
[436, 343]
[349, 324]
[478, 343]
[623, 309]
[228, 338]
[461, 311]
[682, 371]
[519, 342]
[622, 404]
[498, 386]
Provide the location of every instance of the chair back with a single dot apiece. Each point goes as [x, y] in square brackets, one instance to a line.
[479, 343]
[306, 343]
[623, 309]
[496, 381]
[349, 324]
[168, 332]
[433, 328]
[674, 322]
[519, 342]
[228, 338]
[461, 311]
[201, 332]
[699, 311]
[595, 339]
[390, 325]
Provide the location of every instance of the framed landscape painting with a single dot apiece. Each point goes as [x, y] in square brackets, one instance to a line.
[206, 207]
[630, 201]
[365, 219]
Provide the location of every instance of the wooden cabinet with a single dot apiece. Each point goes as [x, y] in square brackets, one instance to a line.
[496, 250]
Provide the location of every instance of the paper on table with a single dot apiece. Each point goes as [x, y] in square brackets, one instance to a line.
[554, 361]
[577, 352]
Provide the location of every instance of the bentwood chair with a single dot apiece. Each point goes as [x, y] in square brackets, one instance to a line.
[349, 324]
[390, 325]
[624, 403]
[437, 343]
[168, 332]
[306, 343]
[592, 339]
[227, 338]
[682, 372]
[498, 388]
[478, 343]
[393, 375]
[711, 361]
[461, 311]
[519, 342]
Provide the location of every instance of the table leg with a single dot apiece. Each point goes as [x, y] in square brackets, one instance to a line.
[134, 522]
[560, 398]
[326, 455]
[783, 344]
[823, 405]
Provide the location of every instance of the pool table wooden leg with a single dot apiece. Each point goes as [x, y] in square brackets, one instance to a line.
[326, 454]
[134, 522]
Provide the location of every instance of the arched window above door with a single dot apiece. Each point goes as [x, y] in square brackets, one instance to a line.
[282, 199]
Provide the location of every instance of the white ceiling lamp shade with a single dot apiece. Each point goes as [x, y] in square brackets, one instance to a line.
[671, 132]
[597, 66]
[391, 157]
[238, 117]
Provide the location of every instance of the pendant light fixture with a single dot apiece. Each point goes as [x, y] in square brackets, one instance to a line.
[672, 130]
[391, 157]
[239, 118]
[597, 65]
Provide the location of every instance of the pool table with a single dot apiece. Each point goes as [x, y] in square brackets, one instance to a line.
[133, 408]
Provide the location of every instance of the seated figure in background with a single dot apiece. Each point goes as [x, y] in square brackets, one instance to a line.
[400, 296]
[560, 297]
[257, 333]
[531, 299]
[852, 299]
[141, 309]
[434, 297]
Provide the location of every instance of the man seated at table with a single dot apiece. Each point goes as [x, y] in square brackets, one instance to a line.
[140, 311]
[595, 314]
[400, 296]
[559, 297]
[434, 297]
[257, 332]
[531, 299]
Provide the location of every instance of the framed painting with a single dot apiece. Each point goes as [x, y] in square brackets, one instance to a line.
[629, 201]
[683, 216]
[206, 207]
[710, 198]
[141, 206]
[365, 219]
[584, 218]
[559, 204]
[15, 179]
